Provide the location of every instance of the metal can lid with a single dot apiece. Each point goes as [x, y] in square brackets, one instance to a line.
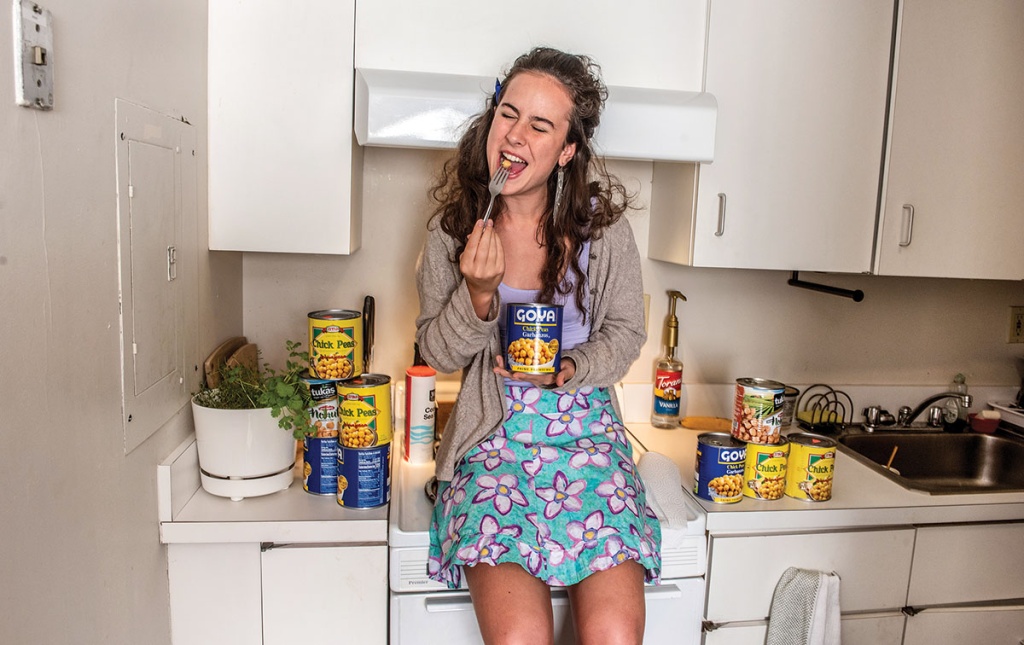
[813, 440]
[765, 383]
[720, 440]
[366, 380]
[334, 314]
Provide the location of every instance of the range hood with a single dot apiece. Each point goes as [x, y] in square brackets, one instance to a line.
[395, 108]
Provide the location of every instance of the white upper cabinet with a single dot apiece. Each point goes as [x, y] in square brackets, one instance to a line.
[801, 88]
[954, 194]
[284, 173]
[656, 45]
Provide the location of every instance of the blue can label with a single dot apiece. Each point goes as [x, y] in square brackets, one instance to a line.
[364, 476]
[718, 474]
[320, 467]
[533, 335]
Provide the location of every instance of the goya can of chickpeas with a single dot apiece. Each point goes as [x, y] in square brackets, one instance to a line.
[533, 338]
[764, 472]
[364, 476]
[335, 344]
[320, 450]
[718, 473]
[811, 467]
[757, 413]
[365, 411]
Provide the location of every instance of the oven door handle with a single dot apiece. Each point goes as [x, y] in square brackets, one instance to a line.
[460, 600]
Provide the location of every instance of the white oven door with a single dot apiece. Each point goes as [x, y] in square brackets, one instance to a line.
[673, 616]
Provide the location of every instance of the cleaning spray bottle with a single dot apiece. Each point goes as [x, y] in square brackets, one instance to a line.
[668, 374]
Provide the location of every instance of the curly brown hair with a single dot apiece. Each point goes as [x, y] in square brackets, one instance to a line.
[592, 198]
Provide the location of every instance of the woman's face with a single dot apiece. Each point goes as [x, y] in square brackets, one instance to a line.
[530, 127]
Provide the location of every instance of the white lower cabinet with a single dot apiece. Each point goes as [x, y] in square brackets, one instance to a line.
[244, 594]
[993, 625]
[873, 565]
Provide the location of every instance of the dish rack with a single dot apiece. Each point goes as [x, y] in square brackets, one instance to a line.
[823, 409]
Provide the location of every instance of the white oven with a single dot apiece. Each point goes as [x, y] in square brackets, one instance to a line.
[424, 612]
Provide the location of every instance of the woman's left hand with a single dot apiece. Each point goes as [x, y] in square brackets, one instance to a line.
[567, 369]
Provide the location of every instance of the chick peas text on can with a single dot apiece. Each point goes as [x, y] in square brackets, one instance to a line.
[718, 473]
[811, 467]
[365, 411]
[335, 344]
[757, 413]
[533, 338]
[764, 472]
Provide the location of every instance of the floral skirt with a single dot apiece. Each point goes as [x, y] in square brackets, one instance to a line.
[554, 490]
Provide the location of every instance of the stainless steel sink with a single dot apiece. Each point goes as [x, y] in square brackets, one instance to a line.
[943, 463]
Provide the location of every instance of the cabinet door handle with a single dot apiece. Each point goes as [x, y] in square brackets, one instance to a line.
[720, 231]
[907, 226]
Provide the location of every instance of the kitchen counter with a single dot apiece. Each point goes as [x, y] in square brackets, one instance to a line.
[860, 497]
[188, 514]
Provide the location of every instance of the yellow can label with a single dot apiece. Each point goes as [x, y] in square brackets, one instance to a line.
[764, 472]
[335, 345]
[811, 469]
[365, 413]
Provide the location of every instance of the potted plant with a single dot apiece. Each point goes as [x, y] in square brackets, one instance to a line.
[246, 426]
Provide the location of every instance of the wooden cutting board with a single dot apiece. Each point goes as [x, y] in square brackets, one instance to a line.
[247, 354]
[218, 357]
[714, 424]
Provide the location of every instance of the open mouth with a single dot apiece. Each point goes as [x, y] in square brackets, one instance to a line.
[514, 164]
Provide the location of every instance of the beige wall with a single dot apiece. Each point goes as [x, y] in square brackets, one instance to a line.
[735, 322]
[82, 562]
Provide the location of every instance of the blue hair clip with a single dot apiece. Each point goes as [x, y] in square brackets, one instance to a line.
[497, 90]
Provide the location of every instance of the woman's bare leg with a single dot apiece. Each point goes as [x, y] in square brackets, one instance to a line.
[608, 606]
[512, 606]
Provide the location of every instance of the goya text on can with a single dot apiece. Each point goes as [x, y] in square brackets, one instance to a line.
[364, 476]
[323, 407]
[764, 472]
[718, 473]
[365, 411]
[335, 344]
[533, 335]
[811, 469]
[320, 465]
[757, 414]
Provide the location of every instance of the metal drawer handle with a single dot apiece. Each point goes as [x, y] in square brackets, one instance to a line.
[721, 215]
[907, 226]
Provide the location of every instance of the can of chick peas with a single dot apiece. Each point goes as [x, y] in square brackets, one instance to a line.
[812, 460]
[533, 338]
[335, 344]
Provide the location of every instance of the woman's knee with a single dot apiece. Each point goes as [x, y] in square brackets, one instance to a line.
[512, 607]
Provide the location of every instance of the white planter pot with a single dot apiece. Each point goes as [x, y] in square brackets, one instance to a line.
[241, 444]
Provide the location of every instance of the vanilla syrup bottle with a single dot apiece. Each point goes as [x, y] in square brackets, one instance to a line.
[668, 372]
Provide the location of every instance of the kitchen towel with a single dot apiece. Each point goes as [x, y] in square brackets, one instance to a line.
[805, 609]
[664, 490]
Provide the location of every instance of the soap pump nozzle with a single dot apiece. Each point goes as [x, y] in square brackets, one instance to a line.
[672, 324]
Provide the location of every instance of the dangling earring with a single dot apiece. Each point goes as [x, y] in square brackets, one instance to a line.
[558, 193]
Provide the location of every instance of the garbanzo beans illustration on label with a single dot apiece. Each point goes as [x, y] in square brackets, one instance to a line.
[358, 437]
[333, 367]
[726, 485]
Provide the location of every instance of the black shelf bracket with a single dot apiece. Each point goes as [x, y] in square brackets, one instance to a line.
[853, 294]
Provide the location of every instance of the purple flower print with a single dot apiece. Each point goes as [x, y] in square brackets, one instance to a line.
[489, 526]
[540, 454]
[620, 495]
[520, 399]
[587, 452]
[492, 453]
[455, 494]
[563, 494]
[569, 398]
[485, 550]
[607, 424]
[503, 490]
[615, 552]
[451, 534]
[586, 534]
[556, 551]
[532, 557]
[571, 422]
[645, 541]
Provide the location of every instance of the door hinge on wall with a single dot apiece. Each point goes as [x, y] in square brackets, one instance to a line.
[172, 263]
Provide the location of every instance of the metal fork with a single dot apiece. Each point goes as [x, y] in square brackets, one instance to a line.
[496, 184]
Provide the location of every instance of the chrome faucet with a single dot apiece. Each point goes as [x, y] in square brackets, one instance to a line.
[875, 417]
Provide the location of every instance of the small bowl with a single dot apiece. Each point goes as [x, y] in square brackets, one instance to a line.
[984, 426]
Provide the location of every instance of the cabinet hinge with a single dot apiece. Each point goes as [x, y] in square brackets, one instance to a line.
[172, 263]
[911, 611]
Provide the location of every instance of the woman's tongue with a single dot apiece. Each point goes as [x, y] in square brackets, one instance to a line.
[516, 167]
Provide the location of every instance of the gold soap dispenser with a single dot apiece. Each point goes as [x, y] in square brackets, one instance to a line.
[668, 372]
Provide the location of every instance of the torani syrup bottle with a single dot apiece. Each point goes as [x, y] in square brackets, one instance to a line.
[668, 373]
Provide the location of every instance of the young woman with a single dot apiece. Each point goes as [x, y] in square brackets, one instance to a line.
[537, 481]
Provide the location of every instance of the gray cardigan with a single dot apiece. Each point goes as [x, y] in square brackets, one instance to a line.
[451, 336]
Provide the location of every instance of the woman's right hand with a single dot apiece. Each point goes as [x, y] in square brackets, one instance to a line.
[482, 265]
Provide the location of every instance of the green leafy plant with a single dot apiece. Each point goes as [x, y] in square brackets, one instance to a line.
[243, 387]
